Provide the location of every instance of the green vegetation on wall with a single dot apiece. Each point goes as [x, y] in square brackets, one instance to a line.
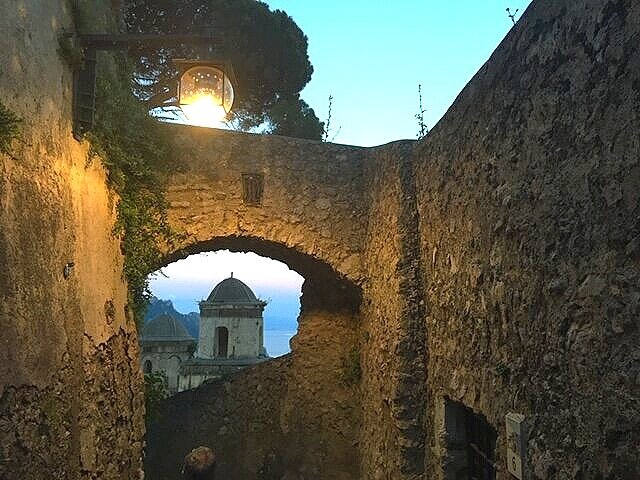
[136, 154]
[155, 390]
[9, 129]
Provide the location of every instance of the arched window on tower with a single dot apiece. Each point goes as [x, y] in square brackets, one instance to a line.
[222, 334]
[148, 368]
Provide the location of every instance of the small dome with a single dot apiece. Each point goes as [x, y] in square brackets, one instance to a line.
[232, 290]
[165, 327]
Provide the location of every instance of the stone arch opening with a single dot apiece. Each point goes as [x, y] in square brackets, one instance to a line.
[322, 295]
[148, 367]
[323, 288]
[182, 288]
[325, 357]
[228, 335]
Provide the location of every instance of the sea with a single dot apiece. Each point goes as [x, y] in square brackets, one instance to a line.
[277, 341]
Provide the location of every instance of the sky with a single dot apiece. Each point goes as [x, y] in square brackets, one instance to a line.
[190, 280]
[370, 56]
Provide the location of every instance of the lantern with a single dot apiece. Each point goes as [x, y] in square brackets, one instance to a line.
[205, 92]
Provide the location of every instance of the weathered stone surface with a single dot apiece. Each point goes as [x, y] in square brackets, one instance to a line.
[312, 202]
[392, 439]
[70, 394]
[522, 228]
[526, 179]
[495, 264]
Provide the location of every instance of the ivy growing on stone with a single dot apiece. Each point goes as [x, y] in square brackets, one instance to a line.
[155, 390]
[135, 152]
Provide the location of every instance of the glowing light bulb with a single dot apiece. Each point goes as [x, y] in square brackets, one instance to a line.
[204, 112]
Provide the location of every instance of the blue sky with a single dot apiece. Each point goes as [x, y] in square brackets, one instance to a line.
[190, 280]
[370, 56]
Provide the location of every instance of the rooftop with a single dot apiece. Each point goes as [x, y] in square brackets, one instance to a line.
[165, 328]
[232, 291]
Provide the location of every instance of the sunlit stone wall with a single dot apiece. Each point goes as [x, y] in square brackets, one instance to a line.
[392, 342]
[311, 199]
[492, 268]
[70, 387]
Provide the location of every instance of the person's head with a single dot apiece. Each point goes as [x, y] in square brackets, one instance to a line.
[199, 464]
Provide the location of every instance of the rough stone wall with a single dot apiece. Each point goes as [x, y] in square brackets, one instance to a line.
[69, 380]
[392, 439]
[312, 202]
[528, 196]
[520, 210]
[295, 417]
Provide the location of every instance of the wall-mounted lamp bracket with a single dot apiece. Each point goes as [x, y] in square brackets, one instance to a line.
[84, 77]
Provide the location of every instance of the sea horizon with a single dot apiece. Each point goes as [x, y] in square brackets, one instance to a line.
[277, 342]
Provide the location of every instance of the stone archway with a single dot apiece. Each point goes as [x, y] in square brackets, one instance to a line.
[306, 196]
[343, 218]
[286, 414]
[325, 288]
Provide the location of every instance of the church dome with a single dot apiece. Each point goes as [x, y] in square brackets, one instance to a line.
[165, 328]
[232, 290]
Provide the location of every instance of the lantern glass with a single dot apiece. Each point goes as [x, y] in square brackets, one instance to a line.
[205, 95]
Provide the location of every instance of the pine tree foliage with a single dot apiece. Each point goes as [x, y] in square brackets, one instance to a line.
[267, 49]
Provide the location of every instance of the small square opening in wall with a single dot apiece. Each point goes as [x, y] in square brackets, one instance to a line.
[469, 443]
[252, 188]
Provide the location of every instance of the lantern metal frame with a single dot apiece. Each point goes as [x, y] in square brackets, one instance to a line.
[225, 66]
[84, 76]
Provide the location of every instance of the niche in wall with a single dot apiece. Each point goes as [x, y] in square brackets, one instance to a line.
[467, 443]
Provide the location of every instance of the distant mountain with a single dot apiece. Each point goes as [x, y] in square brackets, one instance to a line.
[158, 306]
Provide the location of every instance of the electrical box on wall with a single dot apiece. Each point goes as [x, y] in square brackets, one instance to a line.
[516, 444]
